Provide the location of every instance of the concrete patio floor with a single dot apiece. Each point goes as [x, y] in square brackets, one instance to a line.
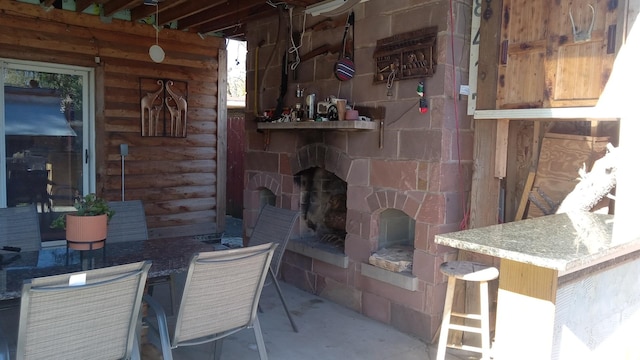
[326, 331]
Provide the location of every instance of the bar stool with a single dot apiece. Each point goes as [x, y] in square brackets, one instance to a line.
[467, 271]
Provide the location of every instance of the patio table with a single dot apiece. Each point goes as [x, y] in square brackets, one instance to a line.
[168, 256]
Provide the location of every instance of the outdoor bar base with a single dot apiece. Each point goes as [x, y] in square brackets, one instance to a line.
[566, 289]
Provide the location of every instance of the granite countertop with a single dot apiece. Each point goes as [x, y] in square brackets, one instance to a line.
[564, 242]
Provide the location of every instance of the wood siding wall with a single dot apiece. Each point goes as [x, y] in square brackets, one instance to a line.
[176, 178]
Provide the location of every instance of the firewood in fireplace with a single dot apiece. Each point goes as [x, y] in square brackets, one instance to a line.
[336, 215]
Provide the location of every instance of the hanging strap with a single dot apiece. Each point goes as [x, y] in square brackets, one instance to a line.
[349, 25]
[345, 67]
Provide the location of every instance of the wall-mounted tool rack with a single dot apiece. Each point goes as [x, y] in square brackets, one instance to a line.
[406, 56]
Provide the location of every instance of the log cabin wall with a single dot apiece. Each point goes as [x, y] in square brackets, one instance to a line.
[176, 178]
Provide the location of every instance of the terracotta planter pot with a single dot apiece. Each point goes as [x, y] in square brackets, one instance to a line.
[86, 232]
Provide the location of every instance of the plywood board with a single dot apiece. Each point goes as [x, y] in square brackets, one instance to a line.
[523, 48]
[579, 63]
[561, 158]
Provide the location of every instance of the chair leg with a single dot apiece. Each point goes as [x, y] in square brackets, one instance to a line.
[259, 340]
[216, 352]
[446, 318]
[484, 320]
[4, 347]
[163, 328]
[284, 303]
[172, 294]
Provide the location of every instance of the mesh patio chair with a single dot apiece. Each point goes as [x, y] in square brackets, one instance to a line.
[96, 319]
[220, 298]
[275, 225]
[20, 228]
[129, 223]
[19, 231]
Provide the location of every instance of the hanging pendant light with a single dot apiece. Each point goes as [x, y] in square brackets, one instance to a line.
[155, 51]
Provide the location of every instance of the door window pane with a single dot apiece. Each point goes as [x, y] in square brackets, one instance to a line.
[43, 139]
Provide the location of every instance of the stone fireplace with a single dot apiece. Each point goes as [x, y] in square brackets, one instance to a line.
[371, 200]
[323, 208]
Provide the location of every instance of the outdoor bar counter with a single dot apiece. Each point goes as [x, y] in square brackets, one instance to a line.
[567, 289]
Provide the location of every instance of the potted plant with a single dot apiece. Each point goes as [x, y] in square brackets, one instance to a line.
[86, 229]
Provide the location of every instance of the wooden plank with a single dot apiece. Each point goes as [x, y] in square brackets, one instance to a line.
[526, 311]
[321, 125]
[221, 144]
[577, 71]
[561, 158]
[524, 152]
[485, 187]
[502, 142]
[524, 199]
[520, 81]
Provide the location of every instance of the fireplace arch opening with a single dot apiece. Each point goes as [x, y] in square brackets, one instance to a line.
[323, 208]
[395, 241]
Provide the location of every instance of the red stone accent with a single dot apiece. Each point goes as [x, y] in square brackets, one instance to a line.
[400, 175]
[354, 223]
[421, 241]
[376, 307]
[432, 210]
[412, 299]
[426, 266]
[410, 321]
[327, 270]
[358, 249]
[413, 204]
[357, 198]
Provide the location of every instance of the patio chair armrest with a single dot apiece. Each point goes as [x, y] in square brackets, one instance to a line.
[163, 328]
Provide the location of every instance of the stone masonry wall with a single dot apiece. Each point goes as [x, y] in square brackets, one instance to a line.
[422, 167]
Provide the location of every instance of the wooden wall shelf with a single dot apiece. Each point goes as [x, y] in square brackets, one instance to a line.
[347, 125]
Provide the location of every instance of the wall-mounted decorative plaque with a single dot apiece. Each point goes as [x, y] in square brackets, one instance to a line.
[406, 56]
[163, 107]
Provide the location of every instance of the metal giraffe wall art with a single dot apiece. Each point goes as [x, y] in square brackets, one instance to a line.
[163, 107]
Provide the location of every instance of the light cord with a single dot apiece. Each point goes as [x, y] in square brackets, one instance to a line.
[157, 27]
[296, 48]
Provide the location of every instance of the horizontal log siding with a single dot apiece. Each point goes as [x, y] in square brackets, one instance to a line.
[176, 178]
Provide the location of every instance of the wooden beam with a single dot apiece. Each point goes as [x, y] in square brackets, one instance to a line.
[113, 6]
[485, 189]
[221, 137]
[81, 5]
[187, 9]
[238, 9]
[502, 142]
[142, 11]
[246, 16]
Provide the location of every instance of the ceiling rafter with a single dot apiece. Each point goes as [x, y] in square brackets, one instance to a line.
[229, 23]
[225, 10]
[188, 9]
[142, 11]
[225, 18]
[113, 6]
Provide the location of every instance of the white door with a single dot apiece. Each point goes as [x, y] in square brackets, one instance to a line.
[46, 132]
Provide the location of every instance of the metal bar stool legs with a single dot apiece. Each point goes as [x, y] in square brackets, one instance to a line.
[467, 271]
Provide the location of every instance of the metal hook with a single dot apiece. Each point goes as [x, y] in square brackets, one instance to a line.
[582, 35]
